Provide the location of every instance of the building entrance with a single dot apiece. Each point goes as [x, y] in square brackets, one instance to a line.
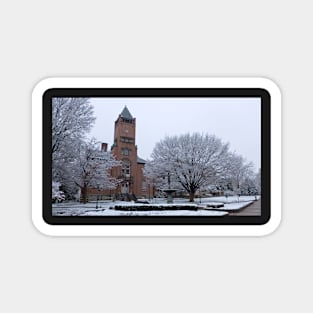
[125, 188]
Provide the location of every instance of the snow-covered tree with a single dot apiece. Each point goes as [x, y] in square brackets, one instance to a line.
[238, 172]
[91, 168]
[151, 174]
[258, 181]
[160, 177]
[57, 194]
[248, 186]
[194, 161]
[71, 119]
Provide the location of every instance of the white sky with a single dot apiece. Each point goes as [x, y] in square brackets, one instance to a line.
[234, 120]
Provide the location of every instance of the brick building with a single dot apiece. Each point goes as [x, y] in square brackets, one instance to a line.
[124, 149]
[132, 181]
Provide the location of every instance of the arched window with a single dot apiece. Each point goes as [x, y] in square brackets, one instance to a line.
[126, 168]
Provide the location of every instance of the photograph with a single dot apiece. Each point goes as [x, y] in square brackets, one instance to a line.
[156, 156]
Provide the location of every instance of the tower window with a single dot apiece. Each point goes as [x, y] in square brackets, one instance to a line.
[125, 120]
[125, 151]
[127, 139]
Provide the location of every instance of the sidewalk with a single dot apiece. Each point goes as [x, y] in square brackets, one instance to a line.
[253, 209]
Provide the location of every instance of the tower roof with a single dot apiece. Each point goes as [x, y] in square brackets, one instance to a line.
[126, 114]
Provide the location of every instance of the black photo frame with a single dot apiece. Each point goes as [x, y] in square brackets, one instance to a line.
[263, 94]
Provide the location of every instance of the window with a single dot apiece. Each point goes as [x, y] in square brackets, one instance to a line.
[126, 120]
[126, 151]
[144, 186]
[127, 139]
[126, 168]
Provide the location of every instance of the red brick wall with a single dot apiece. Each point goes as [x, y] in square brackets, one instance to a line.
[128, 130]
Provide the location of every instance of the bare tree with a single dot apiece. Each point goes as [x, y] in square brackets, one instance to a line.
[194, 160]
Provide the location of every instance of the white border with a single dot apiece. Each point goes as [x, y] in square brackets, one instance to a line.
[156, 230]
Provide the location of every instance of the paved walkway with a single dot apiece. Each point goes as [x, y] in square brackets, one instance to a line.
[253, 209]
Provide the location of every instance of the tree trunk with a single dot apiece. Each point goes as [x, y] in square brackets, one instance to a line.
[84, 194]
[191, 196]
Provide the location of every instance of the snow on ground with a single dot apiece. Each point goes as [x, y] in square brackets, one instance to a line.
[156, 213]
[234, 206]
[231, 199]
[105, 208]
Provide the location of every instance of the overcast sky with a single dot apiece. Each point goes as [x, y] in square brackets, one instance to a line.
[234, 120]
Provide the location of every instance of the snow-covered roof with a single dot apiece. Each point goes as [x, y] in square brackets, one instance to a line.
[140, 160]
[126, 114]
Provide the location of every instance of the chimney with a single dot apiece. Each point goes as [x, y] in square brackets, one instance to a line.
[104, 147]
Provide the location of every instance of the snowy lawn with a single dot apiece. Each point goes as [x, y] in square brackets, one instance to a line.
[230, 199]
[107, 208]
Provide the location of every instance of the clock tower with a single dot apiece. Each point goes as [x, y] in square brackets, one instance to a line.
[124, 149]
